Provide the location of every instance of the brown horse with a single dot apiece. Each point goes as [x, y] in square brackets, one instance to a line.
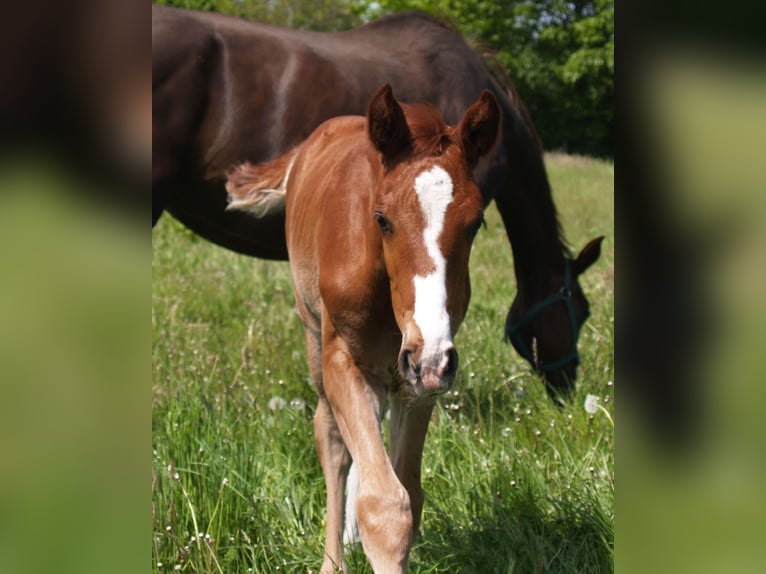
[226, 91]
[381, 215]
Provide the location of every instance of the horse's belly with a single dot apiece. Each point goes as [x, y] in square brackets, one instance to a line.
[206, 215]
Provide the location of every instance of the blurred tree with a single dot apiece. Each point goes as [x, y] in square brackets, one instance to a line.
[560, 54]
[322, 15]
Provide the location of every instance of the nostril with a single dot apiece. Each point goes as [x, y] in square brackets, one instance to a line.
[452, 362]
[407, 364]
[413, 363]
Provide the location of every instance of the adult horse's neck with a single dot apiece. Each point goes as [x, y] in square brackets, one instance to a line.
[529, 214]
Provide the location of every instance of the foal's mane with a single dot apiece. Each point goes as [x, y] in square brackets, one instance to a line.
[430, 133]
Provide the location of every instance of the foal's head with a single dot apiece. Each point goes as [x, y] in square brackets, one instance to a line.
[429, 208]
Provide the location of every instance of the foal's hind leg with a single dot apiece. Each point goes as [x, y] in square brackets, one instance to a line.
[350, 523]
[334, 459]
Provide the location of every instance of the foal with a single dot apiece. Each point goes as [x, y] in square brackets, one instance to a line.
[381, 214]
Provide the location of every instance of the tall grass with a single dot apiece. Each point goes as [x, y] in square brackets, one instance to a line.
[513, 484]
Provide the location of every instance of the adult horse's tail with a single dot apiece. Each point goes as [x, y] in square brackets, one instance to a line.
[260, 189]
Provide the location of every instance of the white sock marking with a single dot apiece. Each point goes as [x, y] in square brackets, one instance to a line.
[351, 526]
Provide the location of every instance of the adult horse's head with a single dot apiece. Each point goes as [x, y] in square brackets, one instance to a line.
[428, 209]
[544, 322]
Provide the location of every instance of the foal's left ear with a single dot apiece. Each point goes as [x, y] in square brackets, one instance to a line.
[588, 256]
[386, 124]
[480, 127]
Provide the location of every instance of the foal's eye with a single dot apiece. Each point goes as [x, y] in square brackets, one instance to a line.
[383, 223]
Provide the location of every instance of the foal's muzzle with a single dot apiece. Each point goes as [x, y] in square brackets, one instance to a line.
[429, 375]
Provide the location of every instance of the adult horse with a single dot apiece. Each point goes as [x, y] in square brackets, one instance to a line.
[227, 90]
[381, 213]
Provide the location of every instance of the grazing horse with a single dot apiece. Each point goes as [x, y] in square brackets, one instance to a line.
[226, 91]
[381, 213]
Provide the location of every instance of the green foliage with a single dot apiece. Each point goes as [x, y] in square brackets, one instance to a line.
[513, 484]
[559, 54]
[221, 6]
[321, 15]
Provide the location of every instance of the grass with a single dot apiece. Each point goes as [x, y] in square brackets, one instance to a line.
[513, 484]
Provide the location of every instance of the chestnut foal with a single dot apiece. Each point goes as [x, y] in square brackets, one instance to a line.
[381, 214]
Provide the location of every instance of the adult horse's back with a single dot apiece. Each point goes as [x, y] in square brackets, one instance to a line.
[227, 91]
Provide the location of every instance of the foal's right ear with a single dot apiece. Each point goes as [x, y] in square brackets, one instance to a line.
[386, 124]
[480, 127]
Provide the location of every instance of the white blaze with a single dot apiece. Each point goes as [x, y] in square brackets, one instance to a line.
[434, 193]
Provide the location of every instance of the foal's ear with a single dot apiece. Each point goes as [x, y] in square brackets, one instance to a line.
[588, 256]
[386, 124]
[480, 127]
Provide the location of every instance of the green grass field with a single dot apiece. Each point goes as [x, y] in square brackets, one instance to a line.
[512, 483]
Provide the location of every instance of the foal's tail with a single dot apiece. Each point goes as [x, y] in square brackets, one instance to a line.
[260, 189]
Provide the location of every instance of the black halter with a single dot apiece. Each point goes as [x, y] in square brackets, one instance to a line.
[563, 294]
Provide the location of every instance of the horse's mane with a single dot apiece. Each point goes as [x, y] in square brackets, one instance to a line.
[411, 16]
[498, 71]
[488, 56]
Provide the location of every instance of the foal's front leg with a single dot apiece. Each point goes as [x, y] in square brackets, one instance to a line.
[408, 427]
[383, 505]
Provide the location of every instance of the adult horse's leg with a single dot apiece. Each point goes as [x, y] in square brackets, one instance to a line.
[158, 203]
[408, 428]
[383, 504]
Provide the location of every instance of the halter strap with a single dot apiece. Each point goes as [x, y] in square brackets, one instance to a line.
[563, 294]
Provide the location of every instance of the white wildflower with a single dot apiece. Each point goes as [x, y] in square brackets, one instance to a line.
[591, 404]
[298, 404]
[277, 403]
